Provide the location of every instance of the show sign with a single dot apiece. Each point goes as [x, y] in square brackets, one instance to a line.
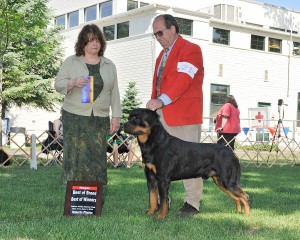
[83, 198]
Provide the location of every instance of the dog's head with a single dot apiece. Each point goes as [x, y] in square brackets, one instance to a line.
[140, 122]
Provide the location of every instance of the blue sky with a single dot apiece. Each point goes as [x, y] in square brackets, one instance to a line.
[290, 4]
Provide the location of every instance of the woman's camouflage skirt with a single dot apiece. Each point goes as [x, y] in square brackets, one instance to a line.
[85, 143]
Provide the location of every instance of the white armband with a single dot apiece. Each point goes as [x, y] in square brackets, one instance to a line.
[187, 68]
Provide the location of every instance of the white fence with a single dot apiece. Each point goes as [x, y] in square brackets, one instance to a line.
[269, 142]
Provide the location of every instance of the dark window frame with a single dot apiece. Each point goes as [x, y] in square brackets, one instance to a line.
[109, 32]
[272, 45]
[90, 13]
[221, 36]
[218, 95]
[143, 4]
[185, 26]
[132, 4]
[73, 19]
[105, 9]
[123, 30]
[263, 104]
[296, 48]
[57, 21]
[257, 42]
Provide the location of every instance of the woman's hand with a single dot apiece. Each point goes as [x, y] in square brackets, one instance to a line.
[77, 82]
[114, 125]
[80, 82]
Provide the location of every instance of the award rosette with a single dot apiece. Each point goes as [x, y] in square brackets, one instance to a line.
[87, 94]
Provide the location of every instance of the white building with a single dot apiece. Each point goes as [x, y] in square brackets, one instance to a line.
[251, 50]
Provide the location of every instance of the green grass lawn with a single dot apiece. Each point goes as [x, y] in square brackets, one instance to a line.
[32, 204]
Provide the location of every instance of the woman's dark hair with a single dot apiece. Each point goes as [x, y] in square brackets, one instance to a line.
[231, 99]
[89, 32]
[169, 21]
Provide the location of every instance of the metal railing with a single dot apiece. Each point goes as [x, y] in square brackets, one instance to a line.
[284, 150]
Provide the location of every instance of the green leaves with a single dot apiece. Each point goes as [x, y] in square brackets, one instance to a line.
[130, 101]
[31, 53]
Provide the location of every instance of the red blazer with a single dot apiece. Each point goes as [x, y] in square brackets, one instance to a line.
[185, 90]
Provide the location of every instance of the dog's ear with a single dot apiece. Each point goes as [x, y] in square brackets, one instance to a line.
[152, 116]
[133, 113]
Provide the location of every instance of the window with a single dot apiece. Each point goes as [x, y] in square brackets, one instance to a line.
[278, 29]
[132, 5]
[122, 30]
[73, 19]
[60, 21]
[142, 4]
[294, 32]
[263, 104]
[296, 48]
[185, 26]
[105, 9]
[298, 108]
[90, 13]
[218, 94]
[221, 36]
[257, 42]
[109, 32]
[274, 45]
[253, 24]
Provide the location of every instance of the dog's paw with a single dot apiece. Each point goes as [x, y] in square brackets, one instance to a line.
[151, 212]
[161, 216]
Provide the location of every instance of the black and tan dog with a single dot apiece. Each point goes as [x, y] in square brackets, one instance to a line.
[4, 158]
[167, 158]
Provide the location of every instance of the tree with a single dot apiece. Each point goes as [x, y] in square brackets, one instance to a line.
[129, 102]
[31, 54]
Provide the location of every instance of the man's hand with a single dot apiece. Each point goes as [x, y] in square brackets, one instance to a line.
[154, 104]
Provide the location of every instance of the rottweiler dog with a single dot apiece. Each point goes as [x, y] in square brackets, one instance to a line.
[4, 158]
[167, 158]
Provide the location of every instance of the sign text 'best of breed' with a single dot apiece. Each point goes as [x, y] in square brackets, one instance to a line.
[83, 198]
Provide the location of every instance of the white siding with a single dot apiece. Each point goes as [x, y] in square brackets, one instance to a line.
[243, 68]
[244, 71]
[140, 24]
[34, 120]
[65, 6]
[134, 61]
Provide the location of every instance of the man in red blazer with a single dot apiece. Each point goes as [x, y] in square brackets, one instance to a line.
[177, 95]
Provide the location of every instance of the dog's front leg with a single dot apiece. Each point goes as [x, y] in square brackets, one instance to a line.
[153, 191]
[163, 189]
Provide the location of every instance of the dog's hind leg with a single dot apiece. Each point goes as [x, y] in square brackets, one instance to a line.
[245, 199]
[164, 209]
[235, 198]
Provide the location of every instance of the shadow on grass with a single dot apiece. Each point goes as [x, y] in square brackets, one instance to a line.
[32, 200]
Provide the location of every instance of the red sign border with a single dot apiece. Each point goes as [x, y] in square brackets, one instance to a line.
[98, 204]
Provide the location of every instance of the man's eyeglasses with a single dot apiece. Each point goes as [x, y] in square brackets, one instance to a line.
[159, 33]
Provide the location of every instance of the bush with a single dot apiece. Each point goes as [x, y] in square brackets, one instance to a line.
[129, 102]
